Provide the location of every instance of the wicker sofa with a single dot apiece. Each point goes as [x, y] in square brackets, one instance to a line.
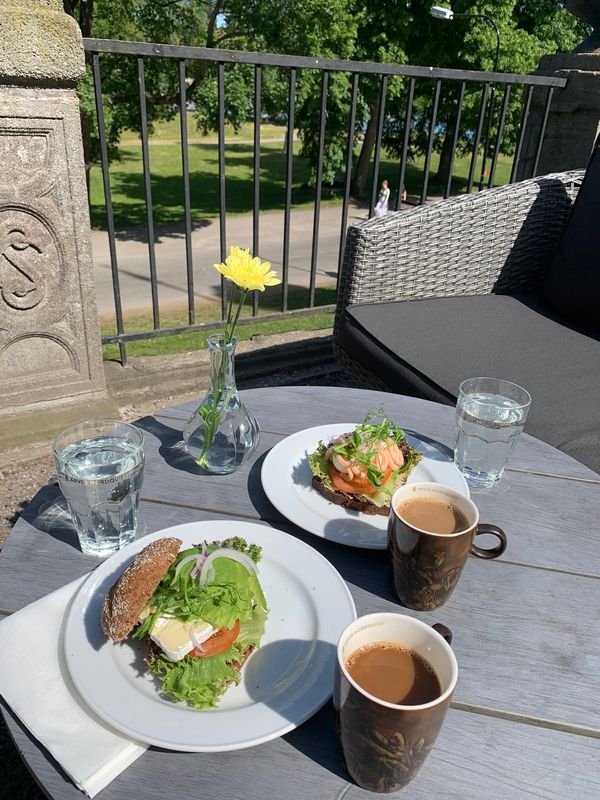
[456, 289]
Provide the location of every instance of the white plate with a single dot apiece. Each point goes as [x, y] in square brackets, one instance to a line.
[284, 682]
[287, 481]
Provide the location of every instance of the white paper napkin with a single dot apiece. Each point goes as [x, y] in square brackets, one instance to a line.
[35, 682]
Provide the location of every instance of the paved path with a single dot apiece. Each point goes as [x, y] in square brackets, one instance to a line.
[133, 262]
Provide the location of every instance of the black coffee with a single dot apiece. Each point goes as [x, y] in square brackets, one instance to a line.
[435, 516]
[394, 673]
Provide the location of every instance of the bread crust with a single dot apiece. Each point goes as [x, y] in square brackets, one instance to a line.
[133, 589]
[348, 500]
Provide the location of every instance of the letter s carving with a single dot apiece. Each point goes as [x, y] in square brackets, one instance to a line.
[23, 287]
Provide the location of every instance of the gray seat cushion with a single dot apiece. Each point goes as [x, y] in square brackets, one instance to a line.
[572, 284]
[425, 348]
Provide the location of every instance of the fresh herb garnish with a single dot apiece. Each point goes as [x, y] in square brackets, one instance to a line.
[361, 446]
[229, 595]
[237, 543]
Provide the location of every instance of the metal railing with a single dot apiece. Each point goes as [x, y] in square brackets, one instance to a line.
[221, 58]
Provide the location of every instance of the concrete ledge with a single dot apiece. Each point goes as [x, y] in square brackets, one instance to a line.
[42, 421]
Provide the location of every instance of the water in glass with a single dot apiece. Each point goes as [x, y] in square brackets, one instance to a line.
[488, 425]
[101, 478]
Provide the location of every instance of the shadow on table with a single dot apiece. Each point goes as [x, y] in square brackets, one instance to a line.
[256, 493]
[431, 448]
[48, 513]
[290, 676]
[172, 448]
[317, 741]
[16, 769]
[368, 569]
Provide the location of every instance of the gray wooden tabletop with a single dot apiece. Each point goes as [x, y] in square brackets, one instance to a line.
[525, 720]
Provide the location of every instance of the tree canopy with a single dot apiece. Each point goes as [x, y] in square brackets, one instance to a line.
[378, 30]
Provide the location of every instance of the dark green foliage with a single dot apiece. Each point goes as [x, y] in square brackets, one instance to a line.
[380, 30]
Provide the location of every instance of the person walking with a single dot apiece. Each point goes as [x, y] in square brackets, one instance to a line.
[381, 208]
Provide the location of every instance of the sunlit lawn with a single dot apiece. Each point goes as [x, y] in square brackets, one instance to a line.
[209, 311]
[127, 183]
[128, 198]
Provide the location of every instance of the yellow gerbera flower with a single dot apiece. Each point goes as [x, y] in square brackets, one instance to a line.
[247, 272]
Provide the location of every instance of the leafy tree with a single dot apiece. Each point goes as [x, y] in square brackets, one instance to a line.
[378, 30]
[529, 29]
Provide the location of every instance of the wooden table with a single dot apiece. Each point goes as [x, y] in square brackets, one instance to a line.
[525, 721]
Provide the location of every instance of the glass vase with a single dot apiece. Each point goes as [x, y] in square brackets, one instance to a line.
[221, 434]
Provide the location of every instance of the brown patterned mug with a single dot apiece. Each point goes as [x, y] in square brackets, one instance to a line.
[427, 565]
[385, 744]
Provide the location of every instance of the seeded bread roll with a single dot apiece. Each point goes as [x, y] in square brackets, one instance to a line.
[129, 595]
[348, 500]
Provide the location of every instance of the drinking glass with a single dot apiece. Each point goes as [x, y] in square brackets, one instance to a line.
[490, 415]
[100, 466]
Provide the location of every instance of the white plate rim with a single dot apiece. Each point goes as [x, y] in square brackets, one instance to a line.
[309, 438]
[221, 529]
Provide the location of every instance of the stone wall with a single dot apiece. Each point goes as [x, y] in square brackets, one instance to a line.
[51, 371]
[574, 118]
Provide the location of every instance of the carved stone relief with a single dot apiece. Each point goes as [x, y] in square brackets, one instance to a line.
[28, 259]
[48, 325]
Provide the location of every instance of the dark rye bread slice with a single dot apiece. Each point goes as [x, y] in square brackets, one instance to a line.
[129, 595]
[348, 500]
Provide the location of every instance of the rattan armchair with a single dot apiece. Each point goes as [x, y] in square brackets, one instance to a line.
[497, 241]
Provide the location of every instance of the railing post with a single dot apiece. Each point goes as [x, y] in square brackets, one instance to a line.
[51, 370]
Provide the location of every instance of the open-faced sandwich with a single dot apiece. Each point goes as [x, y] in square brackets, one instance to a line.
[361, 469]
[202, 612]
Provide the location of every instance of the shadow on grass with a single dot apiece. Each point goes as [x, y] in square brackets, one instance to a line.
[128, 193]
[175, 230]
[127, 182]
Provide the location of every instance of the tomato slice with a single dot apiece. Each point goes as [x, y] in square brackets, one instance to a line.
[356, 485]
[218, 642]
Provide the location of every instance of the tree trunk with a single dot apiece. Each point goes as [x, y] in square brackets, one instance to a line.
[364, 159]
[445, 160]
[86, 17]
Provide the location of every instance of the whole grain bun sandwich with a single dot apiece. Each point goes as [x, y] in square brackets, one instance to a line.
[201, 612]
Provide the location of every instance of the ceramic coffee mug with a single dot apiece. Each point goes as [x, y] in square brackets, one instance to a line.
[427, 565]
[384, 744]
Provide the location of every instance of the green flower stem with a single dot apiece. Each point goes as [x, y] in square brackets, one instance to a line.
[243, 293]
[211, 415]
[228, 320]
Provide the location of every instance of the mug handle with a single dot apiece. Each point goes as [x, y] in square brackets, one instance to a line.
[443, 631]
[493, 552]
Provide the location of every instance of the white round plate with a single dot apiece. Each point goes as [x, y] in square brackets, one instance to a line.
[283, 683]
[287, 481]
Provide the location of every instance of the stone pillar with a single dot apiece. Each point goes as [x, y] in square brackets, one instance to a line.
[51, 371]
[574, 118]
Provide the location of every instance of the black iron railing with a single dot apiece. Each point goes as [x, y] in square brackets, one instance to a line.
[489, 81]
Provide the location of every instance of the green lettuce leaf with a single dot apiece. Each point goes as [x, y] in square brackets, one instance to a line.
[201, 681]
[230, 590]
[319, 466]
[229, 593]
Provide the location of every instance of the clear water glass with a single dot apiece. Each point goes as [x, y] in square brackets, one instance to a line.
[100, 466]
[490, 415]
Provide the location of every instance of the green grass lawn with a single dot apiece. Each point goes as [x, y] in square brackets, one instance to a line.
[209, 311]
[171, 131]
[167, 193]
[127, 183]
